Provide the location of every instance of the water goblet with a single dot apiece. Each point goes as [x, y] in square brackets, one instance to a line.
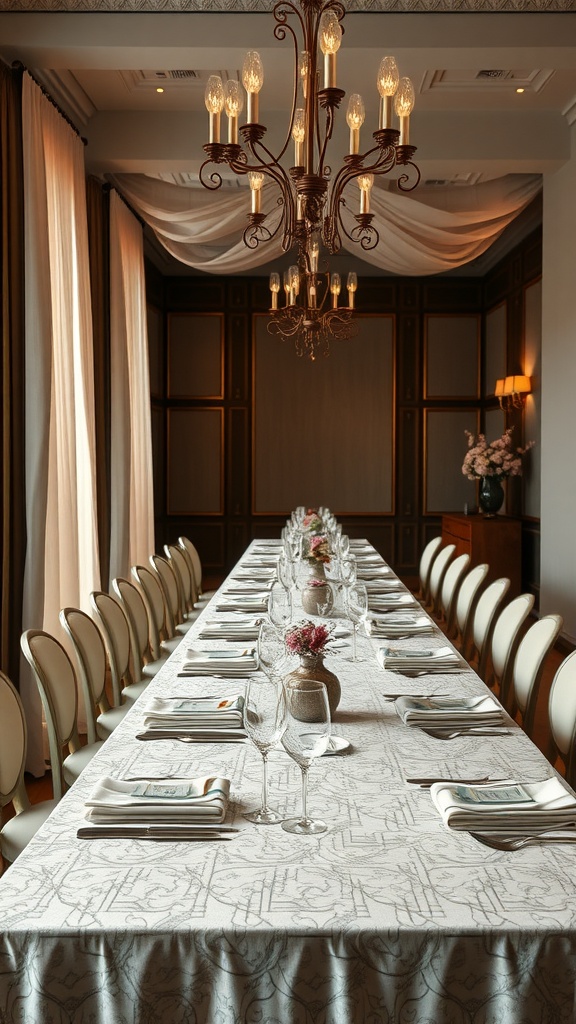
[280, 606]
[306, 736]
[348, 571]
[271, 648]
[356, 602]
[264, 722]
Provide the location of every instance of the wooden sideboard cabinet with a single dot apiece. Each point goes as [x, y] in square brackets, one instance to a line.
[496, 540]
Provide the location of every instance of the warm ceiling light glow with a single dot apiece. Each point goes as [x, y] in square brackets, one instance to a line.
[519, 90]
[159, 89]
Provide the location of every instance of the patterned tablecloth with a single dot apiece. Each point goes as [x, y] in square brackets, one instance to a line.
[388, 918]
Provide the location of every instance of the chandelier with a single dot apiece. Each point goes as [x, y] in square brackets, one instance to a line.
[310, 196]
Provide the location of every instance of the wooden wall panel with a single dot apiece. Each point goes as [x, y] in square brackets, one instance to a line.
[495, 347]
[195, 463]
[446, 489]
[532, 364]
[155, 329]
[323, 432]
[196, 355]
[452, 357]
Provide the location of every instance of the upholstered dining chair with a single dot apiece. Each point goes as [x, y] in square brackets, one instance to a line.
[449, 593]
[465, 607]
[156, 606]
[144, 665]
[426, 559]
[184, 578]
[483, 624]
[195, 562]
[56, 683]
[562, 717]
[114, 628]
[88, 647]
[437, 574]
[17, 832]
[528, 668]
[506, 637]
[177, 625]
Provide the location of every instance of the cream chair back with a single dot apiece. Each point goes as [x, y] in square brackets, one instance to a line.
[177, 559]
[426, 559]
[114, 628]
[452, 580]
[194, 562]
[437, 573]
[562, 715]
[134, 608]
[90, 652]
[529, 665]
[467, 600]
[153, 596]
[169, 585]
[484, 619]
[505, 639]
[12, 746]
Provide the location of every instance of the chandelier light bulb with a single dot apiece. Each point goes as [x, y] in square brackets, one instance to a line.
[365, 183]
[304, 71]
[351, 285]
[387, 82]
[233, 105]
[294, 275]
[355, 115]
[274, 288]
[252, 80]
[335, 287]
[255, 180]
[314, 252]
[298, 133]
[404, 105]
[214, 101]
[330, 39]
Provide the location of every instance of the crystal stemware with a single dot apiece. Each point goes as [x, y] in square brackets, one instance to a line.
[280, 606]
[306, 736]
[264, 721]
[356, 602]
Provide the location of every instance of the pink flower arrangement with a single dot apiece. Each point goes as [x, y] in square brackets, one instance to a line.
[312, 520]
[494, 458]
[306, 638]
[318, 549]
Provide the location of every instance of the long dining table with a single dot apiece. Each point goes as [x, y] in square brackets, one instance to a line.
[387, 918]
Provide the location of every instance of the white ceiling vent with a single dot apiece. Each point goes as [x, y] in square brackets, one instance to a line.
[495, 75]
[174, 75]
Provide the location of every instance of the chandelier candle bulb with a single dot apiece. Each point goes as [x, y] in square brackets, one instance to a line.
[233, 105]
[404, 105]
[355, 119]
[252, 80]
[351, 285]
[274, 288]
[330, 39]
[298, 131]
[387, 82]
[365, 182]
[335, 286]
[214, 102]
[255, 180]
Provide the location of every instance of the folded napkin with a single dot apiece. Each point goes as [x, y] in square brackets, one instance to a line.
[373, 572]
[238, 629]
[248, 603]
[431, 712]
[230, 661]
[522, 807]
[391, 626]
[260, 561]
[418, 661]
[381, 602]
[195, 713]
[369, 560]
[171, 801]
[383, 586]
[254, 588]
[255, 573]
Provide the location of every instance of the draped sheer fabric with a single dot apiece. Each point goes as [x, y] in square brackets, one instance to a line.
[427, 231]
[132, 522]
[62, 565]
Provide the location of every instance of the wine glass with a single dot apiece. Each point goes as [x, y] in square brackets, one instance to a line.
[306, 736]
[280, 606]
[348, 571]
[356, 602]
[271, 648]
[264, 722]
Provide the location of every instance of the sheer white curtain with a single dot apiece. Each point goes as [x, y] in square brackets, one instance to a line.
[426, 231]
[62, 541]
[131, 493]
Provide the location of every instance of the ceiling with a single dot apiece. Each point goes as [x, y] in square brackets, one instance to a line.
[103, 68]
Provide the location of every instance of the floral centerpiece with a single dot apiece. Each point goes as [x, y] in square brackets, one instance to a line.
[318, 550]
[308, 638]
[491, 462]
[493, 458]
[309, 642]
[312, 521]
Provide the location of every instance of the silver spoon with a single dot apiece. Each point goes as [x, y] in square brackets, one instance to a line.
[445, 734]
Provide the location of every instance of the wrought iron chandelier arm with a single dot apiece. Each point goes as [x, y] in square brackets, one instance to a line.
[404, 182]
[281, 12]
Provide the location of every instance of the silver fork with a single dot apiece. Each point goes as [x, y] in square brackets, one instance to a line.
[517, 842]
[440, 734]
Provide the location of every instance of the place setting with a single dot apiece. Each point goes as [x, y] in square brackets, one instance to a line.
[399, 626]
[420, 661]
[240, 629]
[190, 809]
[195, 719]
[446, 716]
[227, 662]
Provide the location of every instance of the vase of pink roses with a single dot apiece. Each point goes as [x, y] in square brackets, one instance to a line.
[309, 642]
[491, 462]
[317, 595]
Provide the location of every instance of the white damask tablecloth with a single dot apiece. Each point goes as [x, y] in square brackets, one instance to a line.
[388, 918]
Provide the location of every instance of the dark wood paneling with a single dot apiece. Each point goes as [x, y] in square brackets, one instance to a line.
[237, 462]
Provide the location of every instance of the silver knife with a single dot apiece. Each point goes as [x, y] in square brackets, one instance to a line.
[426, 782]
[187, 832]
